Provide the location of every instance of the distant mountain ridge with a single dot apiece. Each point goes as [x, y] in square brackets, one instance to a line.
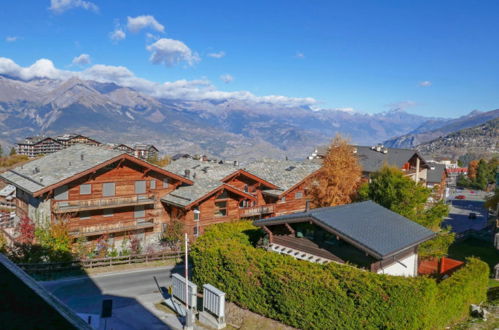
[433, 129]
[230, 128]
[481, 140]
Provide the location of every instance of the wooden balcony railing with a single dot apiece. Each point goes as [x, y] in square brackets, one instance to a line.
[121, 226]
[102, 203]
[256, 210]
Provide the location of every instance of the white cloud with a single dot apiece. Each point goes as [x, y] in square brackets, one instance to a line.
[227, 78]
[135, 24]
[11, 38]
[188, 90]
[425, 83]
[60, 6]
[117, 35]
[170, 52]
[83, 59]
[299, 55]
[219, 54]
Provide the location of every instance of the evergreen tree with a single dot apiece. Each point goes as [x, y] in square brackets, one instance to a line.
[1, 151]
[338, 180]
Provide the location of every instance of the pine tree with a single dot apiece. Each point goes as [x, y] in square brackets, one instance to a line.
[339, 178]
[1, 151]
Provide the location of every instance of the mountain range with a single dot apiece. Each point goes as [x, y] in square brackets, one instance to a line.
[227, 128]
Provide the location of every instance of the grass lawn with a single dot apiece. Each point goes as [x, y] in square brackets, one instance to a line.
[473, 247]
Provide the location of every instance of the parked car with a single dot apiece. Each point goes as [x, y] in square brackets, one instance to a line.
[472, 215]
[460, 197]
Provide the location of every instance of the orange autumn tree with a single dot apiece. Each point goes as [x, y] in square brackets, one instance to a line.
[338, 180]
[472, 169]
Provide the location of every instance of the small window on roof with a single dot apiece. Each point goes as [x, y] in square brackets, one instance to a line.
[85, 189]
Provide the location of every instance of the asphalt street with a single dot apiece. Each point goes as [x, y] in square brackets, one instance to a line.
[134, 294]
[460, 209]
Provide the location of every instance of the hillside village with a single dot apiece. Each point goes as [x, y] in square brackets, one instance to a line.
[113, 201]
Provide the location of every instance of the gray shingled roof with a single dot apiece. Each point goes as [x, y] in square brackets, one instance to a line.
[282, 173]
[58, 166]
[371, 227]
[435, 173]
[372, 160]
[206, 176]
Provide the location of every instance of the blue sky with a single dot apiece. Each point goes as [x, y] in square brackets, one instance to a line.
[436, 58]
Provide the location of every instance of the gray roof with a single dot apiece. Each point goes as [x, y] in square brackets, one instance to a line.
[282, 173]
[372, 160]
[58, 166]
[206, 176]
[7, 190]
[435, 173]
[367, 225]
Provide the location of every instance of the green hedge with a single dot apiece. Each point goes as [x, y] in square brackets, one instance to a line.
[333, 296]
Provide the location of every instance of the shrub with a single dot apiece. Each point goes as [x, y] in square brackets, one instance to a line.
[333, 296]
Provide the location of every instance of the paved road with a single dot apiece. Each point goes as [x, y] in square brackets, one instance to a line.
[461, 208]
[134, 294]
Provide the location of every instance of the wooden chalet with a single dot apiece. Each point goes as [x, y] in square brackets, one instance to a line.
[363, 234]
[37, 146]
[226, 192]
[372, 159]
[145, 151]
[98, 191]
[68, 140]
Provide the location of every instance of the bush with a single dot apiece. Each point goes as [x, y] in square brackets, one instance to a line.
[313, 296]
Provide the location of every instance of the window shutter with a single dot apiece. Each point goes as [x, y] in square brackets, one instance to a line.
[108, 189]
[140, 212]
[61, 193]
[140, 187]
[85, 189]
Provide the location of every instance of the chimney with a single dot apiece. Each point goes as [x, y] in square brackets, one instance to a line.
[236, 163]
[82, 157]
[187, 173]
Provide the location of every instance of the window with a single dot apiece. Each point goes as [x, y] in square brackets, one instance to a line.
[299, 195]
[84, 215]
[246, 188]
[166, 183]
[196, 230]
[196, 214]
[220, 209]
[140, 187]
[107, 212]
[61, 193]
[140, 212]
[108, 189]
[85, 189]
[283, 200]
[153, 184]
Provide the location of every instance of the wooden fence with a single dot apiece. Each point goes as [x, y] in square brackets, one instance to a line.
[98, 262]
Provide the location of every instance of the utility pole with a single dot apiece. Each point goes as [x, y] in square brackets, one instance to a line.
[188, 318]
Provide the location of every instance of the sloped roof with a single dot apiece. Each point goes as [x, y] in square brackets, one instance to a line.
[58, 166]
[367, 225]
[7, 190]
[282, 173]
[435, 173]
[372, 160]
[206, 176]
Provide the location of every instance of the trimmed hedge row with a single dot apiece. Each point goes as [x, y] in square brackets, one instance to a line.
[333, 296]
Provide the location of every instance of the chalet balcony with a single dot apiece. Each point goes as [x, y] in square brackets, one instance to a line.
[102, 203]
[122, 226]
[253, 211]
